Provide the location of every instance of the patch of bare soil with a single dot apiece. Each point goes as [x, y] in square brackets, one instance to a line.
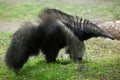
[10, 26]
[113, 27]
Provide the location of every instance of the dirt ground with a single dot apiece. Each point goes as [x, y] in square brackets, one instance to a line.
[10, 26]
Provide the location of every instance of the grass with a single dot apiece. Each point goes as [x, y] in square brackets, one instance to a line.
[29, 10]
[101, 62]
[102, 57]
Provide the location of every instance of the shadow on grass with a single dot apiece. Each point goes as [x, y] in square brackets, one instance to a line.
[41, 64]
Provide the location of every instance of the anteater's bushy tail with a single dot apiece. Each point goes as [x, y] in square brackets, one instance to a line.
[25, 42]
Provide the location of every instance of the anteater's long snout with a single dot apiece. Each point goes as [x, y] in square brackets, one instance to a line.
[107, 35]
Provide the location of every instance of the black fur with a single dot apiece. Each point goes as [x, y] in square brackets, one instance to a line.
[28, 40]
[56, 30]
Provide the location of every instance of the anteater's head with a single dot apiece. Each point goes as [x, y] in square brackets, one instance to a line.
[95, 31]
[86, 30]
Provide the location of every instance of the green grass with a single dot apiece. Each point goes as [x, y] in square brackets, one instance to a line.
[101, 62]
[29, 10]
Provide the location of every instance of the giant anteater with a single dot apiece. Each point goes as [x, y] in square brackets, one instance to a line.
[56, 30]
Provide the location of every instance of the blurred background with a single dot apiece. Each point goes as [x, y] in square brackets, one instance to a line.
[90, 9]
